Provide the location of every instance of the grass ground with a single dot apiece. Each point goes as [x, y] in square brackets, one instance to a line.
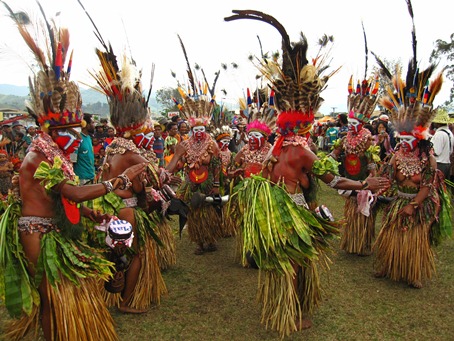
[211, 297]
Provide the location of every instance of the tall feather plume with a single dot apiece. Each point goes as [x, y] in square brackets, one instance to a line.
[122, 87]
[22, 19]
[410, 102]
[297, 83]
[50, 32]
[192, 82]
[366, 51]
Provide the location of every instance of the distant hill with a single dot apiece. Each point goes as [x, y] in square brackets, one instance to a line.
[14, 96]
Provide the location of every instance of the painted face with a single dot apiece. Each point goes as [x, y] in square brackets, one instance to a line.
[354, 125]
[68, 140]
[408, 142]
[144, 141]
[256, 140]
[199, 132]
[224, 143]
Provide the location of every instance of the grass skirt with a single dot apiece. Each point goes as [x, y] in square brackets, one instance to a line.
[289, 244]
[204, 225]
[402, 248]
[359, 230]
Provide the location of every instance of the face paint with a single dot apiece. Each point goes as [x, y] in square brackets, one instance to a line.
[256, 140]
[354, 125]
[199, 132]
[68, 140]
[224, 143]
[144, 141]
[408, 142]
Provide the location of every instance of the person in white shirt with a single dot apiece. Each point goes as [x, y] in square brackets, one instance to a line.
[443, 142]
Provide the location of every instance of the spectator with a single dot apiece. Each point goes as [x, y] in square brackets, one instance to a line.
[158, 144]
[183, 130]
[84, 167]
[383, 140]
[7, 138]
[110, 136]
[331, 134]
[443, 142]
[342, 123]
[170, 142]
[99, 132]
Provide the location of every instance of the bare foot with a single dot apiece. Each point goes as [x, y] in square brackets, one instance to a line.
[129, 310]
[379, 274]
[416, 284]
[198, 251]
[304, 324]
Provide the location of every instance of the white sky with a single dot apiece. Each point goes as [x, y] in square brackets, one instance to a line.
[151, 29]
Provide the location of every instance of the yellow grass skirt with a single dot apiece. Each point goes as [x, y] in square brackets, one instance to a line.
[359, 230]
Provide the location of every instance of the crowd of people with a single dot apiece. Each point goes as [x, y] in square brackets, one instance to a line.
[86, 206]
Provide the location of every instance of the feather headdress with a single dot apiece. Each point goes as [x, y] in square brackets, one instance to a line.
[361, 102]
[55, 101]
[297, 83]
[122, 86]
[410, 100]
[198, 100]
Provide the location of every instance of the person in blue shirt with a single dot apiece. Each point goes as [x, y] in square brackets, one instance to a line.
[84, 167]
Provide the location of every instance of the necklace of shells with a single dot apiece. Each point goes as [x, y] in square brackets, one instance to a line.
[196, 151]
[356, 144]
[255, 156]
[409, 163]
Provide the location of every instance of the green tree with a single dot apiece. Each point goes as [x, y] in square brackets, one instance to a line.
[165, 97]
[445, 50]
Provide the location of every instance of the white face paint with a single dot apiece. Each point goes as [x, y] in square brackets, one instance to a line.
[354, 125]
[255, 134]
[198, 129]
[408, 142]
[256, 140]
[199, 132]
[224, 143]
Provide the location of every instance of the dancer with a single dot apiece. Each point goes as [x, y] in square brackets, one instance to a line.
[359, 162]
[51, 274]
[142, 284]
[420, 216]
[287, 240]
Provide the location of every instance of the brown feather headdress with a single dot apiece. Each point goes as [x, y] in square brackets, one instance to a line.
[410, 100]
[198, 100]
[55, 101]
[122, 86]
[361, 102]
[297, 83]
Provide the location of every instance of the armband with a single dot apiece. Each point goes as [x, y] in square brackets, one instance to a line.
[108, 185]
[126, 182]
[334, 182]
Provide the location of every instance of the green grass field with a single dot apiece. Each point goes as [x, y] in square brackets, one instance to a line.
[211, 297]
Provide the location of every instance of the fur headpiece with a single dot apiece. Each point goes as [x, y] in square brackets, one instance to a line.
[259, 126]
[55, 101]
[409, 101]
[296, 82]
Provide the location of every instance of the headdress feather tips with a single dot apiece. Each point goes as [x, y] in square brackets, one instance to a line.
[297, 82]
[55, 101]
[123, 88]
[363, 99]
[410, 100]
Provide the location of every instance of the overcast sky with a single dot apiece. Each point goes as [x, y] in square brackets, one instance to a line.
[148, 30]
